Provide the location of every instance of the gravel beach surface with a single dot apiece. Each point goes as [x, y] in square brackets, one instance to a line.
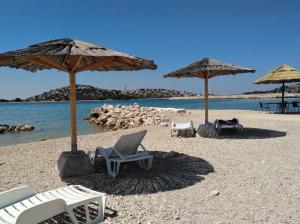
[237, 178]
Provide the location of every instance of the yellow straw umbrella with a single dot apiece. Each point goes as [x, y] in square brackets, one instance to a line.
[205, 69]
[281, 74]
[72, 56]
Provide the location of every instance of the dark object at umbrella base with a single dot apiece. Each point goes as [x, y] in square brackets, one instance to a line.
[73, 164]
[207, 131]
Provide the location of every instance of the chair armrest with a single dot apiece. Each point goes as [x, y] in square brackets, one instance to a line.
[90, 191]
[15, 195]
[105, 152]
[118, 153]
[145, 150]
[143, 147]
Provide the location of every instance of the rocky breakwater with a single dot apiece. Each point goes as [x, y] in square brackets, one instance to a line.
[123, 117]
[5, 128]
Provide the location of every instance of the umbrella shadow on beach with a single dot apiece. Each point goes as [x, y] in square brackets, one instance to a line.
[251, 133]
[170, 171]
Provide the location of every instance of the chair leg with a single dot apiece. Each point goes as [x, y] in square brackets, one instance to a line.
[117, 168]
[146, 163]
[112, 170]
[72, 216]
[101, 210]
[192, 132]
[149, 163]
[241, 129]
[87, 213]
[143, 163]
[108, 167]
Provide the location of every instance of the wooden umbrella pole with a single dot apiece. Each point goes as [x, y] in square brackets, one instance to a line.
[282, 97]
[72, 77]
[206, 99]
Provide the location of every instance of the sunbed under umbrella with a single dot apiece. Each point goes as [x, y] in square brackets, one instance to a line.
[72, 56]
[205, 69]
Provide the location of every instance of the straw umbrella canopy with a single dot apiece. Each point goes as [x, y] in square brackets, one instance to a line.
[72, 56]
[205, 69]
[281, 74]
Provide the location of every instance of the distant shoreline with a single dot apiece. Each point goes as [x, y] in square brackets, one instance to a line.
[240, 96]
[233, 96]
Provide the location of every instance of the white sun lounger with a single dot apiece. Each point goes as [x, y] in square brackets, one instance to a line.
[22, 206]
[182, 127]
[126, 150]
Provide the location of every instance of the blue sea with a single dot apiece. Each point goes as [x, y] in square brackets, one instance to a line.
[51, 120]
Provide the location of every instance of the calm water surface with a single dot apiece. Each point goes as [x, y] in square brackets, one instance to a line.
[51, 120]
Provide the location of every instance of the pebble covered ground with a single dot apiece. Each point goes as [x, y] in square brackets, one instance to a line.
[248, 178]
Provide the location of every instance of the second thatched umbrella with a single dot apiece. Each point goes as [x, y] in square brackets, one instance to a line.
[281, 74]
[72, 56]
[205, 69]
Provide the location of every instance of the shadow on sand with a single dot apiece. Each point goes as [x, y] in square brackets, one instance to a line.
[251, 133]
[170, 171]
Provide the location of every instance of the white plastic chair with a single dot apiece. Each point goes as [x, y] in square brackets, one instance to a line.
[125, 150]
[182, 126]
[22, 206]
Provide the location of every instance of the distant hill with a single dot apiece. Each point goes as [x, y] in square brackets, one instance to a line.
[86, 92]
[288, 89]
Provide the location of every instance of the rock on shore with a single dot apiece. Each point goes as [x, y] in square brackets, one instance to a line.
[5, 128]
[123, 117]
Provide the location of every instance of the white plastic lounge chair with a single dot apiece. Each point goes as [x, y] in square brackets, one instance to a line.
[189, 127]
[22, 206]
[125, 150]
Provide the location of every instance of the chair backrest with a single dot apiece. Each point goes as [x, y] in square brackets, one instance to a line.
[128, 144]
[182, 125]
[14, 195]
[42, 212]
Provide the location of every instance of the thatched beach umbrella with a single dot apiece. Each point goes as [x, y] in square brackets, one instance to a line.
[205, 69]
[72, 56]
[281, 74]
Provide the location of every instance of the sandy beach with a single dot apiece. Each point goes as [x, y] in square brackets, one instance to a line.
[249, 178]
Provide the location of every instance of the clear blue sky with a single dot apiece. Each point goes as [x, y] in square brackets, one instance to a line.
[252, 33]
